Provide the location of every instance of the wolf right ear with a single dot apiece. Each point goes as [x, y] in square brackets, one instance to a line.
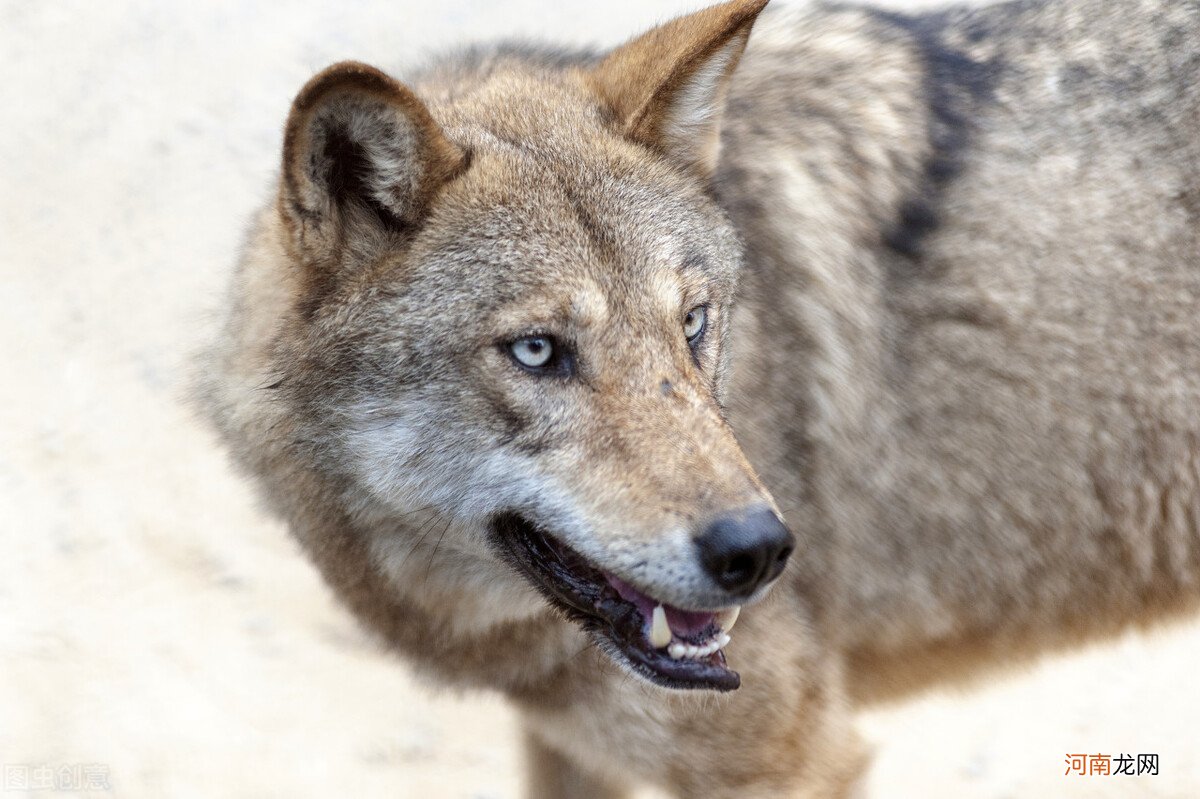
[362, 158]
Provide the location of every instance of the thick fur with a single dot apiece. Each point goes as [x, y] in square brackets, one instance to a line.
[953, 270]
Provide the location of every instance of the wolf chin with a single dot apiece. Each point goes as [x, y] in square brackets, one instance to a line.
[553, 361]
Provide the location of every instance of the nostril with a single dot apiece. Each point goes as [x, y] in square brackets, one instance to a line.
[780, 562]
[741, 568]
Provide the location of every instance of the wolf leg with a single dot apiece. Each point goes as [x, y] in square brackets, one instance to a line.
[551, 775]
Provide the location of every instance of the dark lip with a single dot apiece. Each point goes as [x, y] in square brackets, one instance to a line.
[580, 591]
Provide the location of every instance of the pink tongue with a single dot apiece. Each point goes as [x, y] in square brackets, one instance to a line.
[683, 623]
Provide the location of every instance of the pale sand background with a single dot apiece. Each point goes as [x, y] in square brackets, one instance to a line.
[151, 619]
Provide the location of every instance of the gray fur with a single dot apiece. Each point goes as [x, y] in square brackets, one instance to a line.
[988, 357]
[958, 345]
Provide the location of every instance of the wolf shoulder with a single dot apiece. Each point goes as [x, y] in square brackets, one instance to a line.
[1038, 158]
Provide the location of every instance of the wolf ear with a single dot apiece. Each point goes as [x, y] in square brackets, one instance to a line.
[359, 151]
[668, 86]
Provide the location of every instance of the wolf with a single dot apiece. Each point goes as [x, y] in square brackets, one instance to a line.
[536, 352]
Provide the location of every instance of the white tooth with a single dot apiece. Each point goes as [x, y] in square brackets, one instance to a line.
[723, 641]
[727, 618]
[677, 650]
[692, 651]
[660, 631]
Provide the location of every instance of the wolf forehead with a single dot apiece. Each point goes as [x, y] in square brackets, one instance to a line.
[552, 187]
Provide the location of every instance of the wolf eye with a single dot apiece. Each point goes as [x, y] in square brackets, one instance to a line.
[693, 323]
[533, 352]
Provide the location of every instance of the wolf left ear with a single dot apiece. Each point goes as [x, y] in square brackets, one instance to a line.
[667, 87]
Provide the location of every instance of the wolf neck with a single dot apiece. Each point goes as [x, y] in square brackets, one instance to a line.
[825, 170]
[827, 174]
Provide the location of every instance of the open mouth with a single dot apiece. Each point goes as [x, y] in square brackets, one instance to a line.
[669, 646]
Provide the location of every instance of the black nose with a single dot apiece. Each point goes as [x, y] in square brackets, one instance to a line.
[743, 551]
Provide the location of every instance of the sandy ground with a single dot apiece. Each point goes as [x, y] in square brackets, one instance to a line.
[158, 629]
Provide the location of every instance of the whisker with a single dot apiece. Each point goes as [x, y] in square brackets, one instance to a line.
[429, 565]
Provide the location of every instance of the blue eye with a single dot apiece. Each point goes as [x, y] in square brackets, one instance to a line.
[533, 352]
[693, 323]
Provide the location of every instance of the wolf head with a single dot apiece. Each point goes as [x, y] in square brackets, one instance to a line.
[514, 299]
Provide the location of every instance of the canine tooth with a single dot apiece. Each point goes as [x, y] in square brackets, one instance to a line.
[727, 618]
[723, 641]
[677, 650]
[660, 631]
